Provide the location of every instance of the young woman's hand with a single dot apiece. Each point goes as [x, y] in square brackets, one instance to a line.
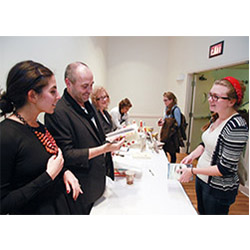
[160, 122]
[71, 182]
[186, 174]
[55, 164]
[187, 160]
[193, 155]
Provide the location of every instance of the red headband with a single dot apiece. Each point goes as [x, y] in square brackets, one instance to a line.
[236, 86]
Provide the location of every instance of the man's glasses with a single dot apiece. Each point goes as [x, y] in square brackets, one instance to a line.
[102, 98]
[216, 98]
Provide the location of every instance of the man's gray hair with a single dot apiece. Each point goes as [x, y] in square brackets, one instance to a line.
[70, 70]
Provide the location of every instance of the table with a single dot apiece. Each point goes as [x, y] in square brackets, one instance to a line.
[153, 193]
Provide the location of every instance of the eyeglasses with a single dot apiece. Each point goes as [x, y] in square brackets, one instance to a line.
[165, 100]
[216, 98]
[102, 98]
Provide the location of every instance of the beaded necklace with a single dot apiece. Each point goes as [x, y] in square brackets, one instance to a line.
[45, 138]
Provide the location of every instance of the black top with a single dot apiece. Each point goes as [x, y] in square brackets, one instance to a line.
[26, 188]
[106, 121]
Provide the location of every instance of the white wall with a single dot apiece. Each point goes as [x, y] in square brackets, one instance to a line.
[137, 69]
[142, 68]
[54, 52]
[190, 55]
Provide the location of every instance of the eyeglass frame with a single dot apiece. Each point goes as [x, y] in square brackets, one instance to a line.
[102, 98]
[216, 98]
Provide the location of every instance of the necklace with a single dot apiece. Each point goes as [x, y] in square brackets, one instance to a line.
[45, 138]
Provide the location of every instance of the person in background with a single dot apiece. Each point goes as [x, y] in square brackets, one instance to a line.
[32, 180]
[120, 114]
[101, 100]
[77, 129]
[171, 111]
[224, 140]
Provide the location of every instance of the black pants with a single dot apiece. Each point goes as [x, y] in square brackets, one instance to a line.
[207, 203]
[172, 154]
[173, 157]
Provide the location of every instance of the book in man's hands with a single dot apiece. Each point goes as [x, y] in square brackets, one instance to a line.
[172, 170]
[130, 133]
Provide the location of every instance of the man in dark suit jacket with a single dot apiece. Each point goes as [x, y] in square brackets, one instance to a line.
[78, 132]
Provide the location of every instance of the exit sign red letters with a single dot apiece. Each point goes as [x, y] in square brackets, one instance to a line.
[216, 49]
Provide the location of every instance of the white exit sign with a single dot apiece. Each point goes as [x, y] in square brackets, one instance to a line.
[216, 49]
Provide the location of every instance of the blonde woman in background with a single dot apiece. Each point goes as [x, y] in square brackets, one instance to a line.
[100, 99]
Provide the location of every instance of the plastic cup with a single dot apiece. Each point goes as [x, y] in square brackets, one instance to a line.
[130, 175]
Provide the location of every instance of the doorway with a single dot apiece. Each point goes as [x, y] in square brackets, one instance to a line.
[202, 82]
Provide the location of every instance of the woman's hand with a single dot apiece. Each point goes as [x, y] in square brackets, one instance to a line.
[71, 181]
[193, 155]
[160, 122]
[186, 174]
[55, 164]
[187, 160]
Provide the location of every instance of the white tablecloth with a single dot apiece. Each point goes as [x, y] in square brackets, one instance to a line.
[150, 194]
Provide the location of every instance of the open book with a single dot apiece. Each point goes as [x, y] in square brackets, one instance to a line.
[130, 132]
[172, 170]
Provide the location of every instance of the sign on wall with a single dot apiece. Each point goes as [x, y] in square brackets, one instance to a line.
[216, 49]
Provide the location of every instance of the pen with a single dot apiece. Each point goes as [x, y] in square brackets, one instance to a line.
[119, 154]
[151, 172]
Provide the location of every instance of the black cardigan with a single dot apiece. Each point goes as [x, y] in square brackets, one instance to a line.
[229, 147]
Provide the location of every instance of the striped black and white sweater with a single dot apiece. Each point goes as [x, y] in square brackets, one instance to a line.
[229, 147]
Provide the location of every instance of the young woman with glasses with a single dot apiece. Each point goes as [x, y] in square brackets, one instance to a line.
[224, 140]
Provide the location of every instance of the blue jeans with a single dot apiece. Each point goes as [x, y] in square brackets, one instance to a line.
[207, 203]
